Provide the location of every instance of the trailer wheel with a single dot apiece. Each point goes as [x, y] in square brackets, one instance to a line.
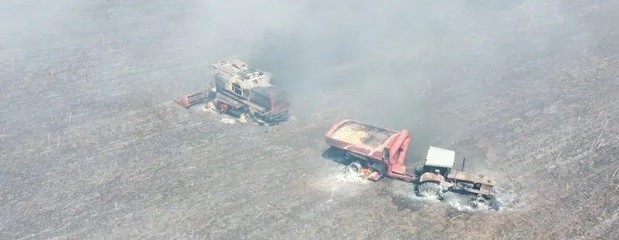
[355, 167]
[430, 189]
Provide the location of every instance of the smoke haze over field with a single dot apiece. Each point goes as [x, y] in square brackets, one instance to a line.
[88, 136]
[390, 64]
[386, 54]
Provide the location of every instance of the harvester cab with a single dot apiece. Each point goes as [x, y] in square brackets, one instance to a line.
[237, 78]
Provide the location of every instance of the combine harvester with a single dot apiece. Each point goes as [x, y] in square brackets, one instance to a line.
[375, 152]
[241, 92]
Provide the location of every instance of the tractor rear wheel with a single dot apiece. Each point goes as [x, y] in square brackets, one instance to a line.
[430, 189]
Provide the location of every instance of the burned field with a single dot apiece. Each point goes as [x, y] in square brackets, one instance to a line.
[92, 145]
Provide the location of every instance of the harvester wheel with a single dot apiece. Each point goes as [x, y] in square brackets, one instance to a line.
[355, 167]
[211, 105]
[430, 189]
[244, 118]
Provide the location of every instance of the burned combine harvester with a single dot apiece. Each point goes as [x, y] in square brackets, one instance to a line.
[242, 92]
[375, 152]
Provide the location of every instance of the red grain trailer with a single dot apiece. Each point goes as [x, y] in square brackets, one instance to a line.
[377, 152]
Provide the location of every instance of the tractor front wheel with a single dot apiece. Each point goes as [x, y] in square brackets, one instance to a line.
[481, 199]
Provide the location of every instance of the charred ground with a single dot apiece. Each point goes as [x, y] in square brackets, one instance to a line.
[93, 147]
